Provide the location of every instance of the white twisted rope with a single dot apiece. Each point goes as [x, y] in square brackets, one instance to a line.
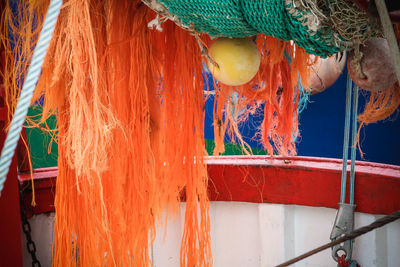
[28, 88]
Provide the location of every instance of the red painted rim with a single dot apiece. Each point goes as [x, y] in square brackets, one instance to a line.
[307, 181]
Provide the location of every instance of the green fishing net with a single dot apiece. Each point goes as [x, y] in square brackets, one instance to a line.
[306, 22]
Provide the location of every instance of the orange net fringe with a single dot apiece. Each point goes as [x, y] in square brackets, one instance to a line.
[275, 86]
[129, 102]
[380, 105]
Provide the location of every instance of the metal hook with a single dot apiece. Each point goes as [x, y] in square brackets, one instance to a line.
[344, 223]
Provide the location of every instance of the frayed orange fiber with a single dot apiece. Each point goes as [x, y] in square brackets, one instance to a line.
[275, 86]
[379, 106]
[130, 103]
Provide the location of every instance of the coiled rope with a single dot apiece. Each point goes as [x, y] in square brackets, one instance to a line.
[28, 88]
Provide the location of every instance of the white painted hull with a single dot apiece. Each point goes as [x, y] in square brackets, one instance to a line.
[257, 235]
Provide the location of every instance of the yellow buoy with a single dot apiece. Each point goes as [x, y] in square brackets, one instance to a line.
[238, 60]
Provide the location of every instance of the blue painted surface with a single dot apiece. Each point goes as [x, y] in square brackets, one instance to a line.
[322, 128]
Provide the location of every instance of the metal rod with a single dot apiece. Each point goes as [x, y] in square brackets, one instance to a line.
[346, 138]
[353, 144]
[353, 234]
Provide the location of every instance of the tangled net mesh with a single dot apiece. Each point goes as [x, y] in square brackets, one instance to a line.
[348, 24]
[351, 22]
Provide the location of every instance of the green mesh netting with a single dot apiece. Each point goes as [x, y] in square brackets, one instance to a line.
[268, 17]
[240, 18]
[215, 17]
[320, 42]
[280, 19]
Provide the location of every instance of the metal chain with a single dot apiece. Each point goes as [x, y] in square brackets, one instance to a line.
[26, 228]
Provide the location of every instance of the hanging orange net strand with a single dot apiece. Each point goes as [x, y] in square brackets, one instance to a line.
[275, 86]
[126, 101]
[380, 105]
[129, 102]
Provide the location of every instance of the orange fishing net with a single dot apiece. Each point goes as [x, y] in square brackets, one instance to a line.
[129, 102]
[380, 105]
[275, 86]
